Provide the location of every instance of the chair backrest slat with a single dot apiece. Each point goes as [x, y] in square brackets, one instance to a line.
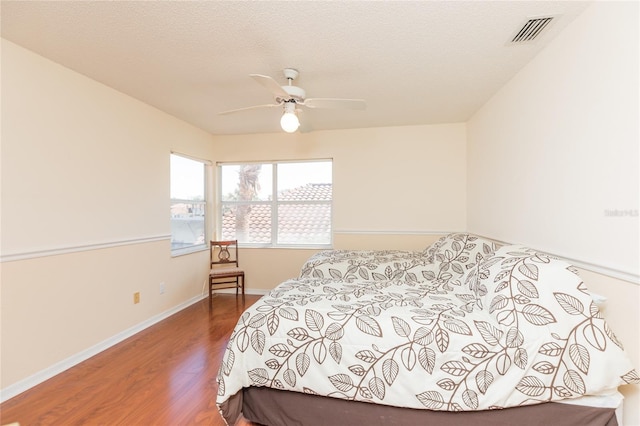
[224, 252]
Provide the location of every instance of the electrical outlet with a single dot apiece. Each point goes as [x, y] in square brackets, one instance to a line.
[136, 297]
[162, 287]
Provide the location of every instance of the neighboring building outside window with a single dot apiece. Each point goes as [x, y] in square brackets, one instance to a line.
[276, 204]
[188, 205]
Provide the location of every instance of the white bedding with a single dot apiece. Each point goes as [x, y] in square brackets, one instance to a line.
[515, 328]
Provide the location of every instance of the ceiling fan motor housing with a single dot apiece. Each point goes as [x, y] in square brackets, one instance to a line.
[294, 92]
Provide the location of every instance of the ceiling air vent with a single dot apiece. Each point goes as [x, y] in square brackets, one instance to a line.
[531, 29]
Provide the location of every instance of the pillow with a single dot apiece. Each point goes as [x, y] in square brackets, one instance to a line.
[540, 311]
[462, 248]
[452, 256]
[515, 277]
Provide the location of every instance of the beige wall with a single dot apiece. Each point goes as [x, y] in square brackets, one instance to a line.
[410, 179]
[85, 214]
[395, 187]
[556, 147]
[361, 241]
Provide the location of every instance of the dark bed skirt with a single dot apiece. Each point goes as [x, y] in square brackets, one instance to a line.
[273, 407]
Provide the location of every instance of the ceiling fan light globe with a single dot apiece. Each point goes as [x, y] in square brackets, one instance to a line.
[289, 122]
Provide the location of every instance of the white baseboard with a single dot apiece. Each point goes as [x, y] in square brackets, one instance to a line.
[39, 377]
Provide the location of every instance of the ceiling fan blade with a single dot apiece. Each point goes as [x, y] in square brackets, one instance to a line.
[231, 111]
[334, 103]
[271, 85]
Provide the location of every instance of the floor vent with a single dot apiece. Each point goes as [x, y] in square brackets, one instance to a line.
[531, 29]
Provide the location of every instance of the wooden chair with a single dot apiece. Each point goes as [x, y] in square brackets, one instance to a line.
[225, 272]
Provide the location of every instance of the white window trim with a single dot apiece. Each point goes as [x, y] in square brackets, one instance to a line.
[274, 203]
[207, 202]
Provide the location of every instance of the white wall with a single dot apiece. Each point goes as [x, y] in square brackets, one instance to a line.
[558, 146]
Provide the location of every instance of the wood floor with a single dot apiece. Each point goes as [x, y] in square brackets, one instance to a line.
[164, 375]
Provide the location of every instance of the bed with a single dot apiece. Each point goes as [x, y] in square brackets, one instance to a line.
[463, 332]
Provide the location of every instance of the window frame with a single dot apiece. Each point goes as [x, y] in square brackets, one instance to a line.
[205, 203]
[274, 203]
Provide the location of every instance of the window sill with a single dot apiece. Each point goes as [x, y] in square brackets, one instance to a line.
[287, 247]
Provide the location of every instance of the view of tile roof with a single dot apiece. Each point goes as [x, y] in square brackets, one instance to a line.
[308, 192]
[304, 222]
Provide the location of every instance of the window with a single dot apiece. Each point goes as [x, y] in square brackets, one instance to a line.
[188, 205]
[277, 204]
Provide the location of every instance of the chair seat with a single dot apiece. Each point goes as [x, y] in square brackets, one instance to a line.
[225, 272]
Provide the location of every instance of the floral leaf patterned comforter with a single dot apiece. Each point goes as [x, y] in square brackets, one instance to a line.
[515, 328]
[352, 265]
[445, 260]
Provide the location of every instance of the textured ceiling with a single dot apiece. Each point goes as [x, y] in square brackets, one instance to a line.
[418, 62]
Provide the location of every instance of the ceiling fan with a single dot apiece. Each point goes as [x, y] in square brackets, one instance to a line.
[290, 97]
